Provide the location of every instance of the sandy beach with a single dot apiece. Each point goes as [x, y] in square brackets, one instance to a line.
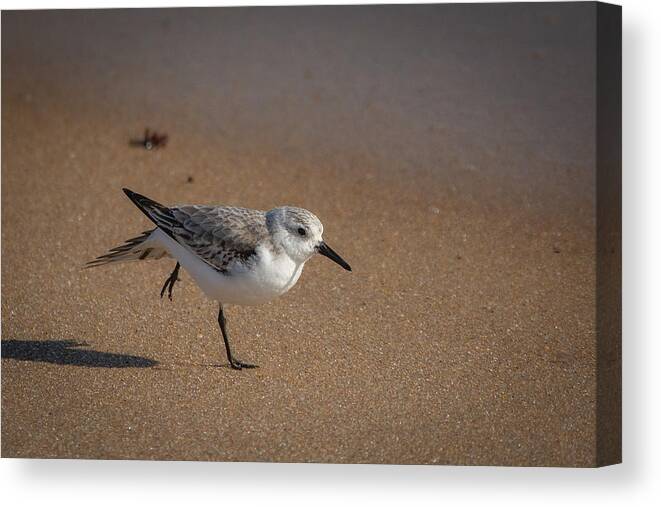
[449, 153]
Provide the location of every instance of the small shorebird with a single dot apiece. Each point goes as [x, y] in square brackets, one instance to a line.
[235, 255]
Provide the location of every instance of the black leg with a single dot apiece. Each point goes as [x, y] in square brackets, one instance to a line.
[234, 363]
[174, 276]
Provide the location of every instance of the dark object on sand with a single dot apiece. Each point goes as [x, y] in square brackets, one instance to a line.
[150, 141]
[189, 179]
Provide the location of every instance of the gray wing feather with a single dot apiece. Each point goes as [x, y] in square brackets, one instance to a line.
[219, 235]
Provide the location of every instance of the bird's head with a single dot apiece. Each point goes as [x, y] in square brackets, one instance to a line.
[299, 233]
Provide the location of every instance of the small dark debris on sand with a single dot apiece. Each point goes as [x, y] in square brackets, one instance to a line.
[150, 141]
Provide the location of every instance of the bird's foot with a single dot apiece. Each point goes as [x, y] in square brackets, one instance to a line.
[239, 365]
[169, 283]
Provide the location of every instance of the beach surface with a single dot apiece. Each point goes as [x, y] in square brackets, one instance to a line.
[449, 152]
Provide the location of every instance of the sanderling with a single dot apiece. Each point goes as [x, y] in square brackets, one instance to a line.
[235, 255]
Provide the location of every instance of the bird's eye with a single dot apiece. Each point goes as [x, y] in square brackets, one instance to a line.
[301, 231]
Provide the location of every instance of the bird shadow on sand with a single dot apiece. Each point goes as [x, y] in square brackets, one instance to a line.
[68, 352]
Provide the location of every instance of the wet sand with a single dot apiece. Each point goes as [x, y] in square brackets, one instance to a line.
[449, 153]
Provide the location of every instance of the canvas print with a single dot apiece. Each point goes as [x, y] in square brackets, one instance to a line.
[332, 234]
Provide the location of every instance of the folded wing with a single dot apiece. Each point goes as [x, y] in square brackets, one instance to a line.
[219, 235]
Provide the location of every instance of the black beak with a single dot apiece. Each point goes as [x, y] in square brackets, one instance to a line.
[327, 251]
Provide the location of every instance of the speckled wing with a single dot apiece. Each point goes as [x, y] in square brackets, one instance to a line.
[219, 235]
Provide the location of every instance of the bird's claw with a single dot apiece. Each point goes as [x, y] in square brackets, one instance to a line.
[169, 283]
[235, 364]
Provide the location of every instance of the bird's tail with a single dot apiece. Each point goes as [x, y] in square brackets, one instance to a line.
[135, 249]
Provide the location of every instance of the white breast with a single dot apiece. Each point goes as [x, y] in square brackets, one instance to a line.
[269, 277]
